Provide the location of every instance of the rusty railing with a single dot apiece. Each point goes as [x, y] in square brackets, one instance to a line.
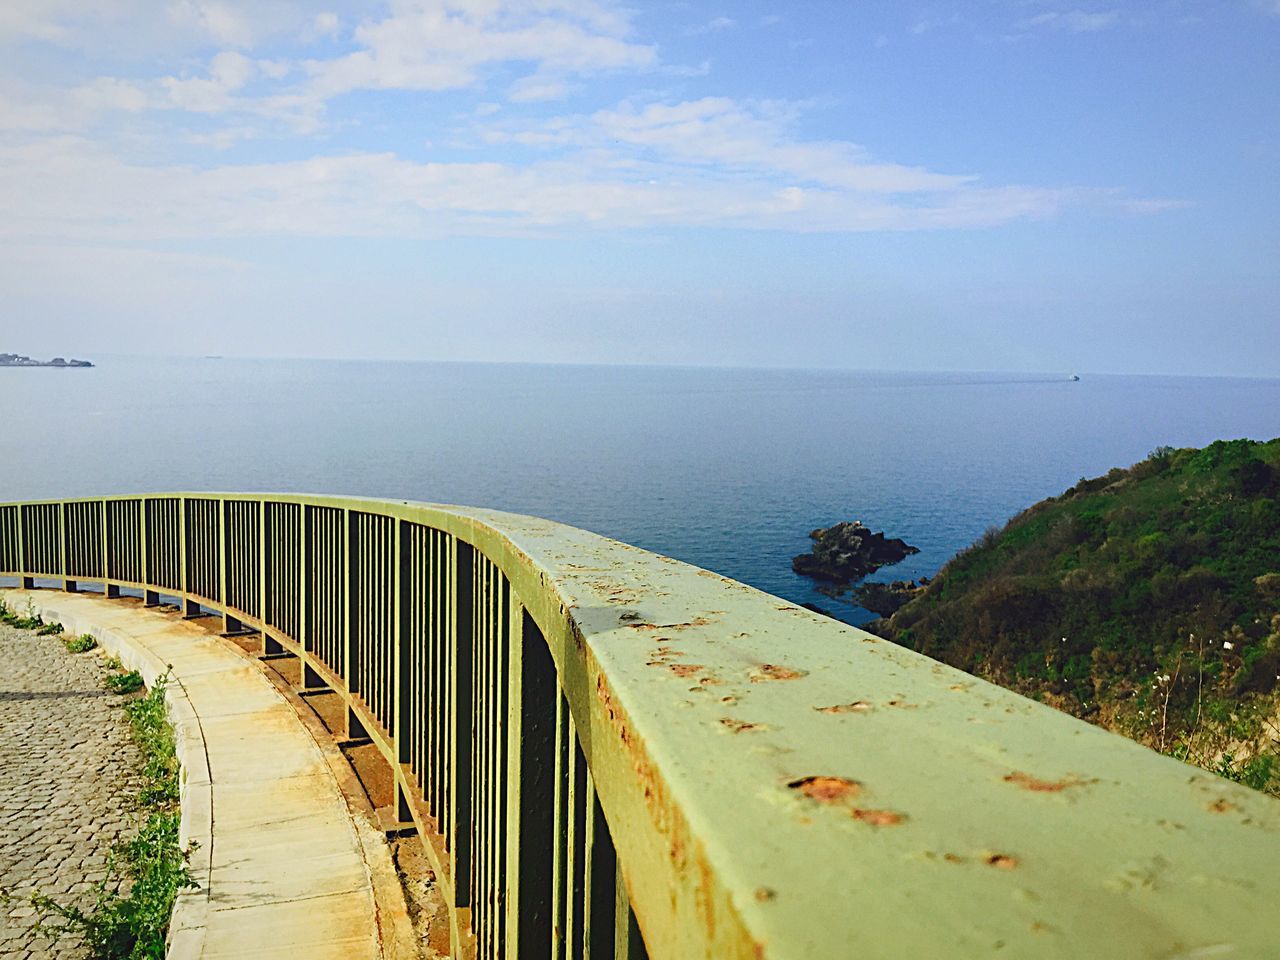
[612, 754]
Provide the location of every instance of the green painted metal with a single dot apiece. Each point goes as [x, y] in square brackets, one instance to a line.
[607, 751]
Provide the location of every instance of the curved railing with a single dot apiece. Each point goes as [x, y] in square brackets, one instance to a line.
[611, 753]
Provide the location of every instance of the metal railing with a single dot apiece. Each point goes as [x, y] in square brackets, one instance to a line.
[609, 753]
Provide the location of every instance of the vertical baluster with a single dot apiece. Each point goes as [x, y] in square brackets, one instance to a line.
[105, 525]
[460, 722]
[627, 942]
[560, 831]
[26, 581]
[479, 791]
[575, 847]
[64, 534]
[532, 759]
[348, 657]
[601, 872]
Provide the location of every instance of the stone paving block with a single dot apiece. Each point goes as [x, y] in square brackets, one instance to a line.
[66, 775]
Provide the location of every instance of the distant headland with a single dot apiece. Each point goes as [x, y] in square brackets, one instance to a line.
[18, 360]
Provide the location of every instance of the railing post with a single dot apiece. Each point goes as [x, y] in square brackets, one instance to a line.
[107, 589]
[230, 624]
[599, 896]
[627, 942]
[530, 826]
[150, 597]
[307, 677]
[462, 717]
[64, 536]
[400, 666]
[355, 730]
[28, 583]
[269, 645]
[189, 608]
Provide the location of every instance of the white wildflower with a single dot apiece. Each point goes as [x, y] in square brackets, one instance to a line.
[1228, 645]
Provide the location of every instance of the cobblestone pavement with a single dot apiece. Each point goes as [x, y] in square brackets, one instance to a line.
[66, 778]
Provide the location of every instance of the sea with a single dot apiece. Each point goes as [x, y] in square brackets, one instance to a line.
[728, 469]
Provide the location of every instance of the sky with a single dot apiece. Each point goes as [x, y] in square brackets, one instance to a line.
[1022, 185]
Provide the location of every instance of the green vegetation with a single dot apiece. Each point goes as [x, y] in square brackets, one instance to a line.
[27, 620]
[1146, 600]
[81, 644]
[152, 865]
[50, 630]
[123, 683]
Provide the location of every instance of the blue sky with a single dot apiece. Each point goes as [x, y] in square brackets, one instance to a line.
[988, 185]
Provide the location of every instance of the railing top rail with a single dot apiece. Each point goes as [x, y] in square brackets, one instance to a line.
[786, 785]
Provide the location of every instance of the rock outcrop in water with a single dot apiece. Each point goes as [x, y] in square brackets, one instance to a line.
[18, 360]
[848, 552]
[886, 599]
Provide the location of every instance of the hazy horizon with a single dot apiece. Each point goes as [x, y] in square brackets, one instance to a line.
[1046, 375]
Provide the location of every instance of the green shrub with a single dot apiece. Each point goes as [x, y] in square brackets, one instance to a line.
[123, 683]
[81, 644]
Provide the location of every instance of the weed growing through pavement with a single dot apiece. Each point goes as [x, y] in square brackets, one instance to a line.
[123, 683]
[81, 644]
[152, 865]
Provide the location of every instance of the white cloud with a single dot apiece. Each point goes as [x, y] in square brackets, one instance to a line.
[445, 44]
[110, 93]
[711, 26]
[537, 88]
[711, 162]
[221, 22]
[228, 72]
[1073, 21]
[325, 24]
[725, 135]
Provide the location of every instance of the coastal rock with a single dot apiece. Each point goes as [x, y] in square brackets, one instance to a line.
[885, 599]
[20, 360]
[849, 551]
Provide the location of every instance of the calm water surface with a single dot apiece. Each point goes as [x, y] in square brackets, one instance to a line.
[727, 469]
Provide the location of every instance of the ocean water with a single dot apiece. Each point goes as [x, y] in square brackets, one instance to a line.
[727, 469]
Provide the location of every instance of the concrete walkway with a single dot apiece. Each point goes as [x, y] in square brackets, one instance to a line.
[67, 765]
[284, 870]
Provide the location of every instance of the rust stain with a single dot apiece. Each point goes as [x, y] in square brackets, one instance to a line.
[1221, 806]
[878, 818]
[952, 858]
[729, 699]
[695, 622]
[684, 669]
[1027, 782]
[1002, 861]
[742, 726]
[901, 703]
[774, 671]
[858, 706]
[765, 894]
[826, 789]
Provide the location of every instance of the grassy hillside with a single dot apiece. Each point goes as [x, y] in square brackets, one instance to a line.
[1146, 600]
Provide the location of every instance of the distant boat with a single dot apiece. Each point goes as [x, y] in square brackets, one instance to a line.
[1075, 377]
